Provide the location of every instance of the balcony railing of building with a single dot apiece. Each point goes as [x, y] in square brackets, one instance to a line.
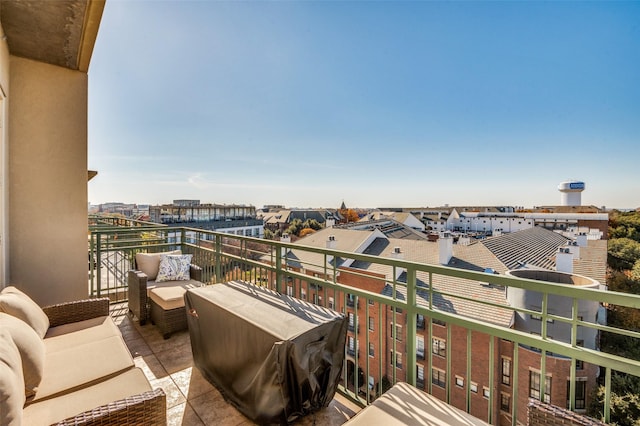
[225, 257]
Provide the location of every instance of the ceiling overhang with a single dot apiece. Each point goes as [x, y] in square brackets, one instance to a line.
[61, 32]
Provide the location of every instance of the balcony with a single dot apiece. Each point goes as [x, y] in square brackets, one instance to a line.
[277, 265]
[191, 399]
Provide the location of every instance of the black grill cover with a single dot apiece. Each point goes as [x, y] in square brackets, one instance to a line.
[274, 357]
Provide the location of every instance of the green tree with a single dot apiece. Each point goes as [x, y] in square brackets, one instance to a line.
[312, 223]
[295, 227]
[623, 253]
[625, 401]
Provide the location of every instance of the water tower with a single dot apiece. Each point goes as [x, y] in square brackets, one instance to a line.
[570, 192]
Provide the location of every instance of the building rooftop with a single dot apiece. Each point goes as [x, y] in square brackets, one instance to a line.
[536, 246]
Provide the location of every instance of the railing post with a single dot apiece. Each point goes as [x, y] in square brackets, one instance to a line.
[411, 326]
[218, 258]
[98, 262]
[92, 262]
[279, 269]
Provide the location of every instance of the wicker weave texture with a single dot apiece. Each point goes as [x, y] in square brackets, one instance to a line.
[66, 313]
[168, 321]
[541, 414]
[149, 408]
[137, 288]
[137, 292]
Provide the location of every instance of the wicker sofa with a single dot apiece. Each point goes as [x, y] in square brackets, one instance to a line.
[68, 364]
[162, 302]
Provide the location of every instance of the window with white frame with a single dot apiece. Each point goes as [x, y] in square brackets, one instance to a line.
[438, 377]
[535, 386]
[420, 347]
[439, 346]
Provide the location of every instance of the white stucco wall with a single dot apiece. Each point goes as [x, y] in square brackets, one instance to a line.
[4, 163]
[47, 121]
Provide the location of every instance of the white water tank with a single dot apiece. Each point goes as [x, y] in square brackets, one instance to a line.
[570, 192]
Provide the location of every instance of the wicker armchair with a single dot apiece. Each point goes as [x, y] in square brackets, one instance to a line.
[139, 286]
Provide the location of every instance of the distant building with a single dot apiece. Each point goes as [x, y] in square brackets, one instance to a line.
[238, 219]
[276, 219]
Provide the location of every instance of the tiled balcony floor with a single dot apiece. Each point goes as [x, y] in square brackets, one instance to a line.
[191, 399]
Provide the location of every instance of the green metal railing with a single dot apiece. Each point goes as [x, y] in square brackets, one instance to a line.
[225, 257]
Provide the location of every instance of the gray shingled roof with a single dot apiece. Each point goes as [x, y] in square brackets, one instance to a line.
[389, 227]
[536, 246]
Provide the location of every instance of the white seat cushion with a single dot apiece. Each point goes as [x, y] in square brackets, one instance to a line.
[129, 383]
[64, 336]
[83, 364]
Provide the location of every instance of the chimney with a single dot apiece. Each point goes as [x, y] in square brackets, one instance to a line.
[574, 248]
[581, 239]
[329, 223]
[564, 260]
[285, 238]
[331, 242]
[445, 247]
[497, 232]
[397, 254]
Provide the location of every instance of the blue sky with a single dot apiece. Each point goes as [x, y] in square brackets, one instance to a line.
[381, 103]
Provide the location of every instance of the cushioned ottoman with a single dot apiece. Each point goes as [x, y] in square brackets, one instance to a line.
[167, 309]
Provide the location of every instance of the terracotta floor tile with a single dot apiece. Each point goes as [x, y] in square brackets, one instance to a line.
[174, 396]
[181, 415]
[151, 367]
[138, 347]
[191, 383]
[214, 410]
[176, 359]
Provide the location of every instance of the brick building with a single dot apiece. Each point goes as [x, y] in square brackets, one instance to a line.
[377, 335]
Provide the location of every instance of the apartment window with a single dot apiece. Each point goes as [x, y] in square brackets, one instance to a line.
[371, 323]
[397, 356]
[370, 302]
[303, 294]
[581, 393]
[420, 376]
[420, 347]
[473, 387]
[351, 300]
[534, 386]
[485, 392]
[352, 320]
[505, 402]
[438, 377]
[398, 332]
[439, 347]
[438, 322]
[289, 291]
[579, 362]
[459, 381]
[372, 350]
[420, 322]
[331, 305]
[539, 318]
[506, 371]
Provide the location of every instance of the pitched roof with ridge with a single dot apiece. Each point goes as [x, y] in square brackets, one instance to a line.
[535, 246]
